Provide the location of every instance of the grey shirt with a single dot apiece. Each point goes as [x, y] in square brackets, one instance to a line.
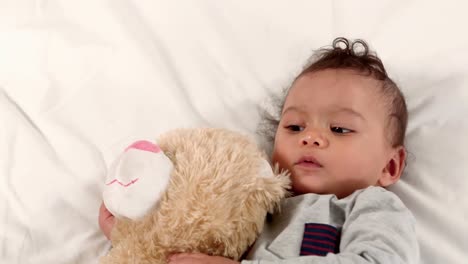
[369, 226]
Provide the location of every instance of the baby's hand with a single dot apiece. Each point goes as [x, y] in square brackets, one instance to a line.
[198, 258]
[106, 220]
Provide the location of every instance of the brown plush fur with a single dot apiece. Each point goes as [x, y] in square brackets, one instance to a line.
[216, 201]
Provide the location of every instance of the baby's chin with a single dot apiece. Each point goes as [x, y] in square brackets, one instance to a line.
[309, 184]
[300, 188]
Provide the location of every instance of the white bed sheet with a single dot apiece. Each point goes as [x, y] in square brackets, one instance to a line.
[79, 80]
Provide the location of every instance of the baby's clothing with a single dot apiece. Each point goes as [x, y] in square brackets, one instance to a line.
[369, 226]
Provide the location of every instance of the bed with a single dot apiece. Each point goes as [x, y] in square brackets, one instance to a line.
[80, 80]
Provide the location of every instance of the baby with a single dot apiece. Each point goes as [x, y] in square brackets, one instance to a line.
[341, 136]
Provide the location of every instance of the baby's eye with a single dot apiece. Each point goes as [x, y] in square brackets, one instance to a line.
[295, 128]
[340, 130]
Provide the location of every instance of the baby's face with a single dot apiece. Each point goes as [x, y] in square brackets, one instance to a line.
[331, 135]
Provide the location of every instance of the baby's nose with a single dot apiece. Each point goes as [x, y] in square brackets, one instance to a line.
[314, 140]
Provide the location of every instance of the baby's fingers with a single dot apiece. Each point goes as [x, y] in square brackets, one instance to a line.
[198, 258]
[106, 220]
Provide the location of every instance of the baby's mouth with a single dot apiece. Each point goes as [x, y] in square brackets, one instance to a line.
[309, 161]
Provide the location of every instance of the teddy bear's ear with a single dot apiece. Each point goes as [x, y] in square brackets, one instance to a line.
[265, 169]
[272, 184]
[136, 180]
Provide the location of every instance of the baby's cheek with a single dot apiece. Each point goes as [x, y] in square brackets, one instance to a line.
[274, 157]
[350, 163]
[283, 151]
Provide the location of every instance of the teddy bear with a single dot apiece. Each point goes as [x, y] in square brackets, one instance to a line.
[204, 190]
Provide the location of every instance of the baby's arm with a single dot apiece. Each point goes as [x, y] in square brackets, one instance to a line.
[379, 229]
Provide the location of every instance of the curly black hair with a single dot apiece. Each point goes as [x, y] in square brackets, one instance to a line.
[352, 55]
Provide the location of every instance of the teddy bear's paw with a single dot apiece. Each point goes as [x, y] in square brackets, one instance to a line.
[136, 180]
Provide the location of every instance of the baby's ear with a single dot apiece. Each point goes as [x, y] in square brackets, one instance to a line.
[394, 167]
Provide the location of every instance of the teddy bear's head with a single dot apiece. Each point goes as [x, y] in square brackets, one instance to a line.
[216, 200]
